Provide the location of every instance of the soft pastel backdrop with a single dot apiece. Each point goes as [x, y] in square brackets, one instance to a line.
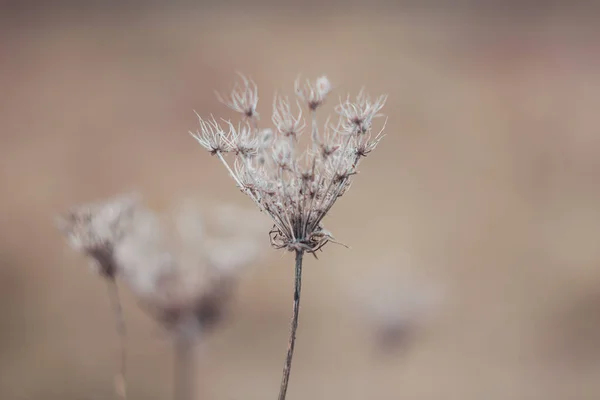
[489, 179]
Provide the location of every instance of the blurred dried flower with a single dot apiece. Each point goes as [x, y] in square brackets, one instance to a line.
[178, 271]
[95, 229]
[296, 188]
[184, 278]
[181, 276]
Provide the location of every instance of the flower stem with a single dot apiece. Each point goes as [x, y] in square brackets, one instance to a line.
[290, 353]
[183, 384]
[120, 378]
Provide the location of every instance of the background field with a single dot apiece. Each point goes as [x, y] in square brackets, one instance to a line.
[488, 179]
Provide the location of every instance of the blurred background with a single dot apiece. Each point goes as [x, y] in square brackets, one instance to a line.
[473, 270]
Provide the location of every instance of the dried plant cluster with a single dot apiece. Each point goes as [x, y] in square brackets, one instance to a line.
[296, 187]
[169, 264]
[182, 276]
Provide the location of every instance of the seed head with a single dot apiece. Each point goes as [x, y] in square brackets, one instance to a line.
[212, 137]
[284, 120]
[297, 188]
[357, 116]
[313, 95]
[243, 98]
[95, 229]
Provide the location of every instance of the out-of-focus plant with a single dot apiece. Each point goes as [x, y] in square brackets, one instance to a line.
[183, 277]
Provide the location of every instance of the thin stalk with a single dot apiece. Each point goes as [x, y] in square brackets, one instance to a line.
[314, 134]
[183, 379]
[294, 326]
[115, 299]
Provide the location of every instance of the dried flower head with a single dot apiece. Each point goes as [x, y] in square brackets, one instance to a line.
[182, 274]
[169, 262]
[296, 187]
[183, 277]
[95, 229]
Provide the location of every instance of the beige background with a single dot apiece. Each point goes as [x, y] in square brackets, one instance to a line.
[488, 179]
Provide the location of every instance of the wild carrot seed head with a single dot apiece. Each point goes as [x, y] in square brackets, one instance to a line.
[296, 187]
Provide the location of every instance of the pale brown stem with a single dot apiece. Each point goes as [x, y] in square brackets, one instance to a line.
[115, 299]
[314, 129]
[294, 326]
[183, 379]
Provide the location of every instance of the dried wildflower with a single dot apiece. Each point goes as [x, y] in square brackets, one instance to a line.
[178, 271]
[298, 188]
[182, 277]
[95, 230]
